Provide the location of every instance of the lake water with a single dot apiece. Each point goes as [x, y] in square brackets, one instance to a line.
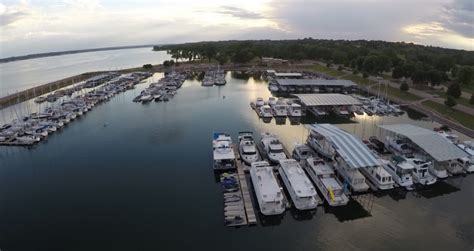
[21, 75]
[145, 182]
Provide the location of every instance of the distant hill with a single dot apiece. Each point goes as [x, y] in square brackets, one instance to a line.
[58, 53]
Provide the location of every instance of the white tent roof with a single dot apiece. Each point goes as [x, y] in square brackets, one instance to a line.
[351, 149]
[326, 99]
[431, 142]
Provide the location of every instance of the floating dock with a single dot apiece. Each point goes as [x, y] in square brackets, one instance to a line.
[244, 188]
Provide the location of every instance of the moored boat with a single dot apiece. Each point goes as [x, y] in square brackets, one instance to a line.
[326, 181]
[268, 193]
[301, 190]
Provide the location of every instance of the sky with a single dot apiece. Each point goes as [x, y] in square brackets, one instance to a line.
[54, 25]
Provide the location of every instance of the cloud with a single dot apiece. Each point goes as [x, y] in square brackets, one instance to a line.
[239, 12]
[11, 14]
[458, 16]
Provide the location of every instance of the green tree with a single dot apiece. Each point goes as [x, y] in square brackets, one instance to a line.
[450, 101]
[404, 87]
[166, 63]
[454, 90]
[339, 57]
[435, 77]
[365, 75]
[465, 75]
[397, 72]
[147, 66]
[222, 58]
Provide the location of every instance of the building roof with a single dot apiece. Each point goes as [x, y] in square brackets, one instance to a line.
[326, 99]
[316, 82]
[288, 74]
[351, 149]
[431, 142]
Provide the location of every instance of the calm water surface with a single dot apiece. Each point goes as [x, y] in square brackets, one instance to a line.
[21, 75]
[145, 182]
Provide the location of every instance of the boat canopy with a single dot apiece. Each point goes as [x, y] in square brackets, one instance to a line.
[431, 142]
[351, 149]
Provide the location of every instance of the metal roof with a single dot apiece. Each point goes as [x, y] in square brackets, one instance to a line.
[316, 82]
[288, 74]
[355, 153]
[326, 99]
[431, 142]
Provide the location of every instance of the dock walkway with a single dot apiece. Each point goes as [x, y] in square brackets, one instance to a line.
[245, 189]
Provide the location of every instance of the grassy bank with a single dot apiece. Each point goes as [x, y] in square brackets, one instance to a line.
[461, 117]
[460, 100]
[394, 92]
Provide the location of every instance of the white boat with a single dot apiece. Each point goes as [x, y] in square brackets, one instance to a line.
[302, 192]
[467, 164]
[265, 111]
[272, 148]
[378, 176]
[320, 145]
[273, 87]
[468, 147]
[146, 98]
[399, 146]
[326, 181]
[448, 135]
[421, 174]
[401, 171]
[28, 139]
[302, 152]
[456, 166]
[294, 110]
[224, 157]
[317, 111]
[342, 111]
[247, 148]
[272, 101]
[267, 191]
[279, 110]
[351, 176]
[259, 102]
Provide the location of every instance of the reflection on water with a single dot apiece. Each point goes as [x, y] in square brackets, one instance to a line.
[352, 211]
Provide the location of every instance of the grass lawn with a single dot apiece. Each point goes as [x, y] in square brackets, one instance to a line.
[463, 118]
[469, 89]
[394, 92]
[461, 100]
[327, 70]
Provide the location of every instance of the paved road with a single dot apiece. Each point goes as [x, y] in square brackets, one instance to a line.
[427, 96]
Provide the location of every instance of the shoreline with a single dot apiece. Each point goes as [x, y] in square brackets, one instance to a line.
[200, 66]
[60, 53]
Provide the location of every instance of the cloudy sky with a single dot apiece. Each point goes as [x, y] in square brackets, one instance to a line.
[54, 25]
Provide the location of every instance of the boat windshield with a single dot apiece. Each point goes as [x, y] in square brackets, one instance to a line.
[276, 150]
[250, 152]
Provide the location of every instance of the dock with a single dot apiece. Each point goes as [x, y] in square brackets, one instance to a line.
[245, 189]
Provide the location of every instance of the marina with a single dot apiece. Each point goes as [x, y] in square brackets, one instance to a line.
[146, 166]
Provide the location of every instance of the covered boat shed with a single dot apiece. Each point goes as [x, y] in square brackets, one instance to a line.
[327, 99]
[433, 144]
[350, 148]
[316, 82]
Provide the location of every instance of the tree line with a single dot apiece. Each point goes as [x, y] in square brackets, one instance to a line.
[422, 64]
